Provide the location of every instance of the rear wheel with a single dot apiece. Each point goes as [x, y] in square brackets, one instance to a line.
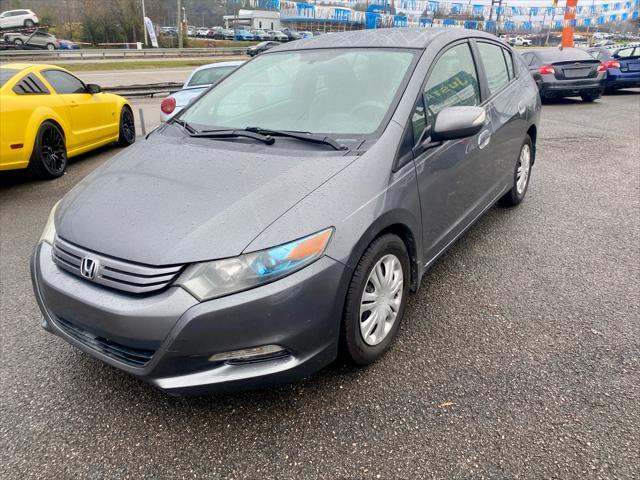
[49, 157]
[127, 134]
[521, 175]
[29, 23]
[376, 300]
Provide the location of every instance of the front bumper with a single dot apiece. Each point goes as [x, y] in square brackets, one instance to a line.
[177, 335]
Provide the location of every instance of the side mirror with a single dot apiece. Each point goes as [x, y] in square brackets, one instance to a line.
[92, 88]
[458, 122]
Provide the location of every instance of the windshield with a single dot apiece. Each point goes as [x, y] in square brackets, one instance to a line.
[209, 76]
[6, 74]
[341, 91]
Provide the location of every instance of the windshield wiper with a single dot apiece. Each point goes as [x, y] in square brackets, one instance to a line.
[189, 129]
[230, 133]
[304, 136]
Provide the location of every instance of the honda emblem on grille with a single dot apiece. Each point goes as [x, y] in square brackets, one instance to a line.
[88, 268]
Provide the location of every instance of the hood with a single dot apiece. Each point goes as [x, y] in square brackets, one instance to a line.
[168, 201]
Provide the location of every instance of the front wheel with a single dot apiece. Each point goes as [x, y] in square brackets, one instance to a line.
[49, 157]
[376, 300]
[521, 175]
[51, 47]
[127, 134]
[18, 43]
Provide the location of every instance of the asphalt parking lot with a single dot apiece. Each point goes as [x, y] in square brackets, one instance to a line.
[518, 358]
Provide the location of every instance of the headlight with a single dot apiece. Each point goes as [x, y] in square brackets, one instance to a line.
[223, 277]
[49, 232]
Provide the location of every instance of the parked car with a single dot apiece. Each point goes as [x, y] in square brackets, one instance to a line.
[243, 35]
[278, 36]
[202, 32]
[221, 34]
[48, 115]
[519, 42]
[68, 45]
[254, 50]
[623, 66]
[18, 18]
[199, 80]
[280, 218]
[306, 34]
[31, 41]
[568, 72]
[260, 35]
[291, 34]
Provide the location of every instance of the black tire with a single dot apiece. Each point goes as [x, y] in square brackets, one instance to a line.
[29, 23]
[51, 47]
[17, 42]
[127, 133]
[513, 197]
[353, 344]
[589, 97]
[49, 157]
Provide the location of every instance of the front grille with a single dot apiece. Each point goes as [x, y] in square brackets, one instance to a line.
[112, 273]
[136, 357]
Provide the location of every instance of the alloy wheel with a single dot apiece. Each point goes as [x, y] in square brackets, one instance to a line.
[381, 299]
[524, 168]
[52, 149]
[128, 126]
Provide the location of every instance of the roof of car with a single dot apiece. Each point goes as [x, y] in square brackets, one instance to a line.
[406, 37]
[234, 63]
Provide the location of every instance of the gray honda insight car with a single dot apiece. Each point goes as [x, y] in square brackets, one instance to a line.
[288, 212]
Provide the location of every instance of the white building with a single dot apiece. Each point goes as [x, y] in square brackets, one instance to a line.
[263, 19]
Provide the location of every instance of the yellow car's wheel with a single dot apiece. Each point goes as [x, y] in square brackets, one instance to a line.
[49, 157]
[127, 133]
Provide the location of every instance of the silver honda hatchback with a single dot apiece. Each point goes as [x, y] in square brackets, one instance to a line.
[291, 210]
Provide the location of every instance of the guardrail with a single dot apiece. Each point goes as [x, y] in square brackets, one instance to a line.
[111, 54]
[148, 90]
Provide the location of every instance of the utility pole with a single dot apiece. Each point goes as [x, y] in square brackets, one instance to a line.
[144, 25]
[179, 18]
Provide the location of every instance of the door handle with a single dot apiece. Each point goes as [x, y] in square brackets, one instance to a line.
[521, 108]
[484, 138]
[74, 105]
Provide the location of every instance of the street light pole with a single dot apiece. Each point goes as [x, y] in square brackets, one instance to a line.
[144, 25]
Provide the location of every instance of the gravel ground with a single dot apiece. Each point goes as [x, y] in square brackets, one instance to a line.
[518, 357]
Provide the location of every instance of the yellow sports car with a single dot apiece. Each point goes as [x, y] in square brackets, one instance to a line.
[48, 115]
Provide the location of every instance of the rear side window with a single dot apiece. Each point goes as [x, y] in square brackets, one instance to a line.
[63, 82]
[509, 61]
[495, 66]
[30, 85]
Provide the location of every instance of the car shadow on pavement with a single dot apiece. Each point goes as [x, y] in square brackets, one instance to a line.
[16, 178]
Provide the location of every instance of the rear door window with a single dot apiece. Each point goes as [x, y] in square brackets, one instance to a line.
[495, 66]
